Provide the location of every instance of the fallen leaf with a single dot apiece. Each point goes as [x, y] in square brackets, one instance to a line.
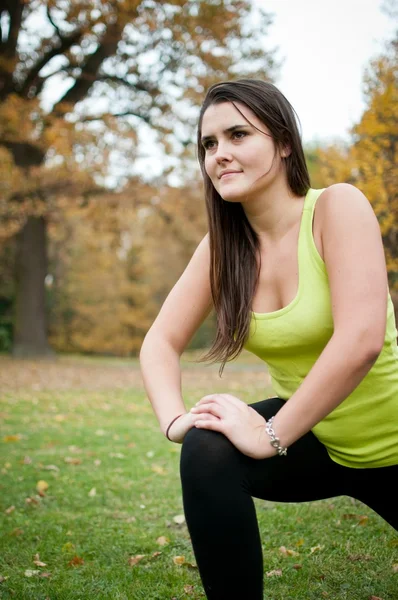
[3, 578]
[12, 438]
[300, 542]
[188, 589]
[287, 552]
[375, 598]
[38, 562]
[76, 561]
[395, 568]
[50, 468]
[133, 560]
[179, 519]
[363, 520]
[354, 557]
[9, 510]
[31, 572]
[59, 418]
[162, 540]
[315, 549]
[92, 492]
[68, 547]
[275, 573]
[72, 460]
[179, 560]
[31, 500]
[297, 567]
[42, 486]
[45, 574]
[159, 470]
[17, 531]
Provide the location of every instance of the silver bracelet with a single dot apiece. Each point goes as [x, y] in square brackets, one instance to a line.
[275, 442]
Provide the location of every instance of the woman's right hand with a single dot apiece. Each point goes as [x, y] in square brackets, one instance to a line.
[182, 425]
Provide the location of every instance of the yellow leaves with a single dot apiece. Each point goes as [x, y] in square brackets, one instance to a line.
[12, 438]
[9, 510]
[181, 561]
[42, 487]
[316, 549]
[92, 492]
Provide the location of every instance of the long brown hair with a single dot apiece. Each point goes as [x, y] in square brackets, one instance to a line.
[234, 245]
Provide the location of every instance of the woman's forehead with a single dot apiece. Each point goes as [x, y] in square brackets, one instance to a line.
[219, 117]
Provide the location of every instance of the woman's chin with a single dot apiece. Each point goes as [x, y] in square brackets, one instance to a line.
[232, 196]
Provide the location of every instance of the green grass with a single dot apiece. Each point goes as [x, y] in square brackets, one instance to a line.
[85, 424]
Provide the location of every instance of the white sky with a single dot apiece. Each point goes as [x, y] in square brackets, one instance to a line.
[326, 45]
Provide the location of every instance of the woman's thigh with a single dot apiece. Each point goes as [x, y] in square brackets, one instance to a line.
[305, 473]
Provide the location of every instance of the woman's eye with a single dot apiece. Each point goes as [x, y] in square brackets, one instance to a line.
[239, 134]
[208, 145]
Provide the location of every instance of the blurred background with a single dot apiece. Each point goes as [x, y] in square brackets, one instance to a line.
[101, 202]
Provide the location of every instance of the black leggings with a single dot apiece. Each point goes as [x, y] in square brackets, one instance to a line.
[218, 483]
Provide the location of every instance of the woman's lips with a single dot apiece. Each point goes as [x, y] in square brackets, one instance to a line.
[225, 175]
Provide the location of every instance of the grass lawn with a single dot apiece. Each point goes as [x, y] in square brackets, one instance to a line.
[91, 505]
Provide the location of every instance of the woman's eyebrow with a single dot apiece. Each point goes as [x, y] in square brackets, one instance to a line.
[229, 130]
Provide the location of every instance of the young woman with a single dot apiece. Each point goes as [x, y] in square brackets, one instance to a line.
[296, 276]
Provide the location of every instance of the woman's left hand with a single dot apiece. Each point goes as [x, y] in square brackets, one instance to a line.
[240, 423]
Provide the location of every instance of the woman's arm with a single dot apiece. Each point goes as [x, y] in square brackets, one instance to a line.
[355, 263]
[182, 313]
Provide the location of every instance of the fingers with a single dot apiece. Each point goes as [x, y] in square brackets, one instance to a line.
[209, 407]
[223, 399]
[209, 423]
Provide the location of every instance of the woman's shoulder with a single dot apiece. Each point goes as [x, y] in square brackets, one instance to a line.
[341, 198]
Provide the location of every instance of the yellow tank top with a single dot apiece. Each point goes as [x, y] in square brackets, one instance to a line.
[363, 430]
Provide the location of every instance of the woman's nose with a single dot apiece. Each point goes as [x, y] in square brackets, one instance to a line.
[222, 154]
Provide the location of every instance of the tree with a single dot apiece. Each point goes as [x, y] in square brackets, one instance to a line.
[111, 67]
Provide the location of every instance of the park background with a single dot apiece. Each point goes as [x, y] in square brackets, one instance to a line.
[101, 208]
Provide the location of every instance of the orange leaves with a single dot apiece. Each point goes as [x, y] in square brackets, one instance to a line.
[76, 561]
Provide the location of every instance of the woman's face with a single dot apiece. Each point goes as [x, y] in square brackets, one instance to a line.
[240, 160]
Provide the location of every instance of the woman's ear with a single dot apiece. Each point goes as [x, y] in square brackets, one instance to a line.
[286, 151]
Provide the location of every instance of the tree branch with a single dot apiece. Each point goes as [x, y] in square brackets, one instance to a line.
[127, 113]
[61, 48]
[106, 48]
[8, 47]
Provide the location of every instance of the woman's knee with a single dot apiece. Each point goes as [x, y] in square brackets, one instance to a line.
[205, 452]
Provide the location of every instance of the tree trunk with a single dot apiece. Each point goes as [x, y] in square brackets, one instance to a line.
[30, 337]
